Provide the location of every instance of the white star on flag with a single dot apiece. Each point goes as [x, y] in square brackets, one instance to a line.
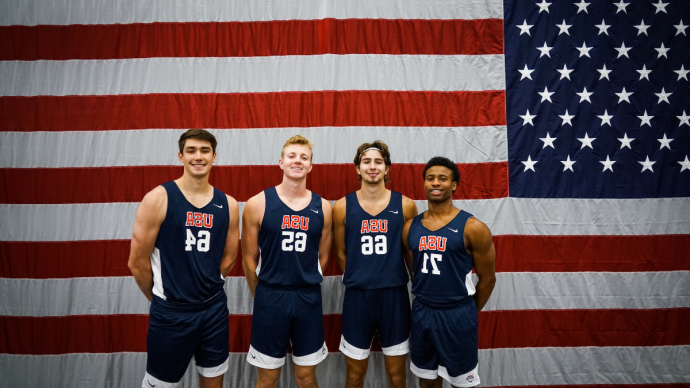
[682, 73]
[684, 119]
[544, 6]
[526, 73]
[567, 119]
[568, 164]
[623, 51]
[529, 163]
[587, 141]
[584, 96]
[625, 141]
[645, 119]
[660, 7]
[605, 119]
[662, 51]
[644, 73]
[624, 96]
[647, 165]
[608, 164]
[665, 142]
[604, 72]
[527, 118]
[582, 6]
[565, 72]
[621, 6]
[584, 50]
[681, 28]
[603, 27]
[642, 28]
[544, 50]
[564, 28]
[663, 96]
[685, 163]
[524, 28]
[548, 141]
[546, 95]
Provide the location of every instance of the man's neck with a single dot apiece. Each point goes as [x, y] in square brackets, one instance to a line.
[440, 210]
[372, 192]
[193, 185]
[292, 189]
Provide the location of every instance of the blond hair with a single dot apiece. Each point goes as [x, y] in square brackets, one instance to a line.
[299, 140]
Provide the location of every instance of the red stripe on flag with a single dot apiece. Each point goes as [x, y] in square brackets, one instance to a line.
[130, 184]
[497, 329]
[250, 39]
[60, 260]
[253, 110]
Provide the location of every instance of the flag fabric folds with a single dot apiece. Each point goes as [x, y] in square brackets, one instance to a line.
[568, 121]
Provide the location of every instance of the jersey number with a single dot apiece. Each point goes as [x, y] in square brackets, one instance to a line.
[434, 258]
[202, 241]
[299, 239]
[371, 245]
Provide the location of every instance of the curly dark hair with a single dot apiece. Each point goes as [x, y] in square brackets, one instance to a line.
[443, 162]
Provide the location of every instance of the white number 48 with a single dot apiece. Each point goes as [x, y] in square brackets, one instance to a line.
[202, 242]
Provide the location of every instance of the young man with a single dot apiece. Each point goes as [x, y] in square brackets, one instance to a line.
[185, 240]
[443, 244]
[367, 227]
[286, 238]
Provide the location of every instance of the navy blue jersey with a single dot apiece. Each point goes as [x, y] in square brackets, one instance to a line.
[374, 245]
[442, 266]
[189, 248]
[289, 242]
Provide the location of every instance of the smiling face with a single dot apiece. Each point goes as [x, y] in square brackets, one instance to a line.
[439, 185]
[296, 161]
[372, 168]
[197, 157]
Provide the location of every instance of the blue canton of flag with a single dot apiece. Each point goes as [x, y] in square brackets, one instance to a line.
[598, 98]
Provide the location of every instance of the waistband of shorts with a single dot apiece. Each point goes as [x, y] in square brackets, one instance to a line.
[191, 306]
[278, 287]
[444, 306]
[377, 289]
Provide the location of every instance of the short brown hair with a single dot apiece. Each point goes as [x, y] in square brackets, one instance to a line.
[299, 140]
[377, 145]
[198, 134]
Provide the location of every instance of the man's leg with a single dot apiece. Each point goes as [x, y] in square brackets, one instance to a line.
[305, 376]
[267, 378]
[356, 371]
[396, 370]
[426, 383]
[210, 382]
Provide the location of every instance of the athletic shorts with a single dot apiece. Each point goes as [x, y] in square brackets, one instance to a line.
[178, 332]
[444, 342]
[287, 317]
[365, 312]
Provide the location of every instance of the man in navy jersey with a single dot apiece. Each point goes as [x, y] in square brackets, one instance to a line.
[442, 245]
[367, 228]
[286, 238]
[185, 240]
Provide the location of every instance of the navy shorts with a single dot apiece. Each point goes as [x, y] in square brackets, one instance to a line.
[178, 332]
[285, 317]
[365, 312]
[444, 342]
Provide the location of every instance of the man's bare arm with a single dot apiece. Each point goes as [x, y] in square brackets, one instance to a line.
[409, 259]
[481, 247]
[409, 209]
[150, 216]
[232, 241]
[339, 214]
[326, 234]
[251, 218]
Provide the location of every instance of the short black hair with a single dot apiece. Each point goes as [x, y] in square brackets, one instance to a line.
[443, 162]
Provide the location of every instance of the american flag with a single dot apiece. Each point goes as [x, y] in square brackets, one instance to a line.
[569, 122]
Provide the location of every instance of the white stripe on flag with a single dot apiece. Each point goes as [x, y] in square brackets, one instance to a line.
[504, 216]
[248, 147]
[514, 291]
[253, 74]
[62, 12]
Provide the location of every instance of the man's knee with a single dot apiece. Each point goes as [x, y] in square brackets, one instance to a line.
[267, 378]
[305, 376]
[426, 383]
